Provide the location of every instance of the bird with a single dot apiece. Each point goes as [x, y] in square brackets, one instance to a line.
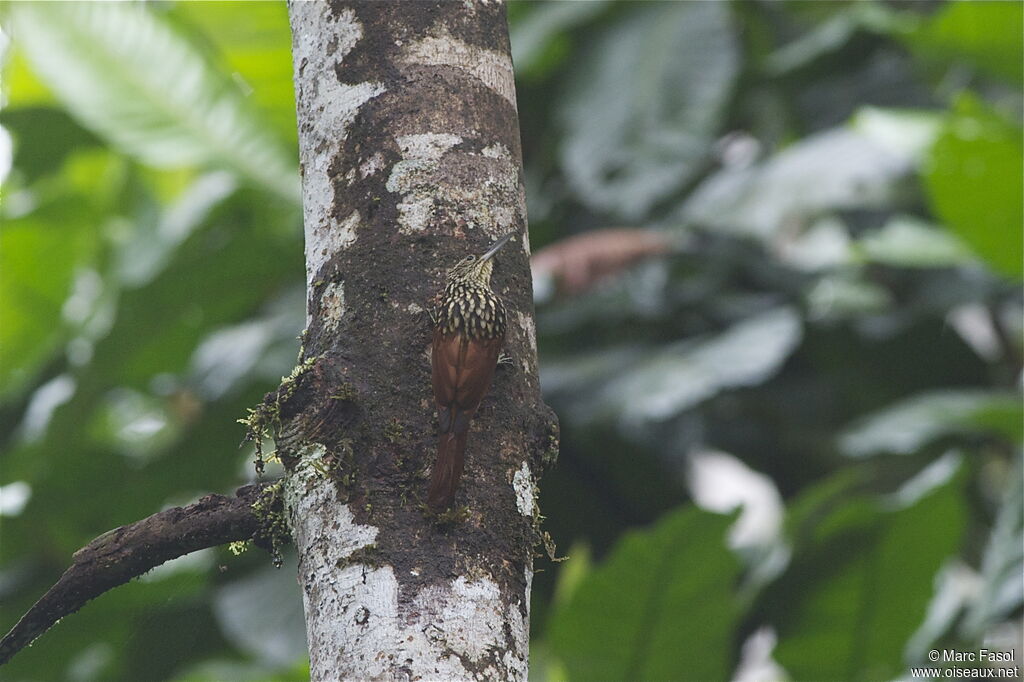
[469, 330]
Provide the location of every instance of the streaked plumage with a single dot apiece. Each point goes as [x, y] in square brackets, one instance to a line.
[469, 329]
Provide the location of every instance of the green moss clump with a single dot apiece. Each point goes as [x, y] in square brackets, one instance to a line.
[550, 548]
[264, 420]
[449, 517]
[393, 431]
[239, 547]
[550, 454]
[542, 537]
[346, 391]
[273, 532]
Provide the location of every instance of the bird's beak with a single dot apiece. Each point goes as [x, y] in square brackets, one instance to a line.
[495, 246]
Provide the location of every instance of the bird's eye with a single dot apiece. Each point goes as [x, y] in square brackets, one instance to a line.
[469, 259]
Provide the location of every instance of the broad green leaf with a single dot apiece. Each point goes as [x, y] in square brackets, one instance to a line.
[909, 132]
[830, 35]
[841, 168]
[805, 512]
[148, 245]
[1002, 591]
[578, 564]
[228, 277]
[545, 667]
[860, 581]
[639, 386]
[136, 425]
[126, 74]
[911, 243]
[39, 254]
[20, 85]
[973, 176]
[988, 34]
[644, 105]
[823, 246]
[845, 294]
[538, 34]
[684, 374]
[37, 150]
[255, 42]
[908, 426]
[660, 607]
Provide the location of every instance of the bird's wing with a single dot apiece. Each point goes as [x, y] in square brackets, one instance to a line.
[476, 370]
[444, 361]
[461, 373]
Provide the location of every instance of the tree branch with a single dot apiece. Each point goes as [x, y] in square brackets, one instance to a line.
[121, 554]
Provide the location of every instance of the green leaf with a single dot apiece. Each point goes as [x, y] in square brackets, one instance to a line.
[909, 132]
[577, 565]
[229, 274]
[645, 103]
[254, 41]
[906, 427]
[639, 386]
[841, 168]
[860, 582]
[1002, 591]
[686, 373]
[39, 254]
[20, 85]
[37, 150]
[829, 35]
[907, 242]
[663, 602]
[845, 294]
[973, 177]
[988, 34]
[126, 74]
[536, 32]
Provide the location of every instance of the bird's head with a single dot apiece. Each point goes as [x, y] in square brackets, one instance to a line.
[477, 269]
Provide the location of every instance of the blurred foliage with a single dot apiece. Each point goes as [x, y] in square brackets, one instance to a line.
[609, 631]
[839, 317]
[973, 165]
[861, 576]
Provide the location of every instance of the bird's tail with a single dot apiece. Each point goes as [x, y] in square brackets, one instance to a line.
[444, 479]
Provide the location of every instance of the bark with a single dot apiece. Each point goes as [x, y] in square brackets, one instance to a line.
[410, 156]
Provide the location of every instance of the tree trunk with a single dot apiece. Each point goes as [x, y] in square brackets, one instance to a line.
[410, 156]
